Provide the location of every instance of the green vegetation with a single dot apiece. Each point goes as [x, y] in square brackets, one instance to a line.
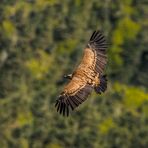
[40, 41]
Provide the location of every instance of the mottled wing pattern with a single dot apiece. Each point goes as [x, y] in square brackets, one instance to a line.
[75, 92]
[98, 45]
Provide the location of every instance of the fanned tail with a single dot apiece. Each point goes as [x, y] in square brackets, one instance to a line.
[102, 86]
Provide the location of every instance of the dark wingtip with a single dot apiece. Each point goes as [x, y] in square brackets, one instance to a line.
[61, 106]
[98, 41]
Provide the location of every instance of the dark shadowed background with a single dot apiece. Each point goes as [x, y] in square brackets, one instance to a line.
[40, 41]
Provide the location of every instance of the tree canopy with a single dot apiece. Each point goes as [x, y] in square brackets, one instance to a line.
[40, 41]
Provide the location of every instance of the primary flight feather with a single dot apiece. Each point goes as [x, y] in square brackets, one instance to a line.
[87, 76]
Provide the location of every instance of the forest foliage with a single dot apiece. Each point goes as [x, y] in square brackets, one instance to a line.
[40, 41]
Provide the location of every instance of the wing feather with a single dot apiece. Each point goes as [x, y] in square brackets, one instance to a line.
[70, 98]
[98, 45]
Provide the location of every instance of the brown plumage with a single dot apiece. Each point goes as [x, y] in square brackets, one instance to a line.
[86, 77]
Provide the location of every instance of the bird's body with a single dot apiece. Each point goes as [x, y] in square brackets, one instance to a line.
[84, 73]
[86, 77]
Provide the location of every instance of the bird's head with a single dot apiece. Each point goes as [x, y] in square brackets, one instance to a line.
[69, 76]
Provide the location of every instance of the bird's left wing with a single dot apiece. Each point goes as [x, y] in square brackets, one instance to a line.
[98, 45]
[75, 92]
[94, 57]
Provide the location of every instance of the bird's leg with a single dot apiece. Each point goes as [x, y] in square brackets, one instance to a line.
[69, 76]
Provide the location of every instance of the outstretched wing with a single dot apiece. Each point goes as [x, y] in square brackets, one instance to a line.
[75, 92]
[95, 58]
[97, 44]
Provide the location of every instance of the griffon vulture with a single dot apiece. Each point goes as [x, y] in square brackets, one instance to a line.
[87, 77]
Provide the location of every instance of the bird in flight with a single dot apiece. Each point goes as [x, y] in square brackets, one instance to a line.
[87, 77]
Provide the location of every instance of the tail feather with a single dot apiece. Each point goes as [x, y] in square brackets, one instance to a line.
[102, 86]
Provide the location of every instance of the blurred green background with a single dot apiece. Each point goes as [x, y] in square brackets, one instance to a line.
[40, 41]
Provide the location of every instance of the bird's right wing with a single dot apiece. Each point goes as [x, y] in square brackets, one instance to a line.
[75, 92]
